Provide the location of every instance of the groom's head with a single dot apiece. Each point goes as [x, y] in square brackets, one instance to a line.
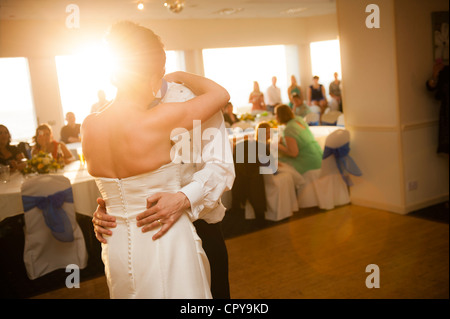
[138, 55]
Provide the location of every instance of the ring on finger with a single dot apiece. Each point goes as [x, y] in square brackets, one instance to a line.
[159, 221]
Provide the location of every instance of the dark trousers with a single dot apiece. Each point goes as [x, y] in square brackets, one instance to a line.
[214, 245]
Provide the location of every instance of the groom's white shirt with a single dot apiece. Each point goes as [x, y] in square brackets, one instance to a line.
[204, 183]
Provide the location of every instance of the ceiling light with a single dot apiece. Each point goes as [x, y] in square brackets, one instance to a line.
[174, 5]
[140, 5]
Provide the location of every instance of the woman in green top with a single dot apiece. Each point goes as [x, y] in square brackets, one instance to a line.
[292, 90]
[300, 149]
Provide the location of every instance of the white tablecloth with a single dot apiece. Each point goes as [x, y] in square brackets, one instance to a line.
[320, 133]
[85, 191]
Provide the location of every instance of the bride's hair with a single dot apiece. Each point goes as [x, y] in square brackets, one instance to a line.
[138, 53]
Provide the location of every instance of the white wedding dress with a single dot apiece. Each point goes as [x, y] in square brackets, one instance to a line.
[136, 266]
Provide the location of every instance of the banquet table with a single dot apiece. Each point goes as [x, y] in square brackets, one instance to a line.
[84, 188]
[320, 133]
[235, 135]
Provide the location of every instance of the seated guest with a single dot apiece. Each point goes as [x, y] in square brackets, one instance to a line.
[249, 182]
[298, 107]
[298, 146]
[71, 132]
[317, 95]
[44, 142]
[10, 154]
[101, 104]
[335, 93]
[228, 114]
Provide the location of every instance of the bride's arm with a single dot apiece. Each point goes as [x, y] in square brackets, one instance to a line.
[210, 98]
[199, 85]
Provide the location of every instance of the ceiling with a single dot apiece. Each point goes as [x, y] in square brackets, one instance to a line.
[154, 9]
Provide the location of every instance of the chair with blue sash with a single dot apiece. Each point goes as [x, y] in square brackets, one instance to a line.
[312, 118]
[53, 238]
[330, 118]
[340, 121]
[328, 186]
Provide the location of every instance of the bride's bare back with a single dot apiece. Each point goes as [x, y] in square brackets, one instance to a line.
[124, 141]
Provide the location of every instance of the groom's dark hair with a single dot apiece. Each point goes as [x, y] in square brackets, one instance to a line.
[137, 52]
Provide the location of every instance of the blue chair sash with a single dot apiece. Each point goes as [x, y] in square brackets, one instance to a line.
[313, 123]
[344, 162]
[54, 215]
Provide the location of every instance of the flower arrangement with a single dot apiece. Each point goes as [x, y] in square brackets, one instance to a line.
[247, 117]
[273, 123]
[41, 163]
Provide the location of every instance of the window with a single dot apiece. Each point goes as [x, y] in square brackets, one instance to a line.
[237, 68]
[16, 102]
[82, 76]
[325, 60]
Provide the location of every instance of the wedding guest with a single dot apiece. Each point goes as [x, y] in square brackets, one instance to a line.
[228, 114]
[298, 146]
[439, 84]
[317, 95]
[101, 104]
[299, 108]
[294, 89]
[273, 95]
[44, 141]
[70, 133]
[257, 98]
[10, 154]
[282, 173]
[335, 93]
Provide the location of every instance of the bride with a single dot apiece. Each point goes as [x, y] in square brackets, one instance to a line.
[127, 149]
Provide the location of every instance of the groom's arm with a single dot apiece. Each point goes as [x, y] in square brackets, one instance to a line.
[214, 174]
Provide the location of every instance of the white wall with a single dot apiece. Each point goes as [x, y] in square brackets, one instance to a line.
[384, 76]
[419, 111]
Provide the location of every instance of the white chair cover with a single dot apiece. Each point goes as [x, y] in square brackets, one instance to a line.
[281, 194]
[330, 118]
[312, 118]
[44, 253]
[333, 105]
[325, 187]
[340, 120]
[315, 109]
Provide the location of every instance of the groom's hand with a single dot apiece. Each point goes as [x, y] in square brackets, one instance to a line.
[165, 207]
[101, 220]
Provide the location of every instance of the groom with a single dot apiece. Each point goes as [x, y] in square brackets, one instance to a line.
[202, 187]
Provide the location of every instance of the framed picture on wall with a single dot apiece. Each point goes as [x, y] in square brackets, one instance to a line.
[439, 22]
